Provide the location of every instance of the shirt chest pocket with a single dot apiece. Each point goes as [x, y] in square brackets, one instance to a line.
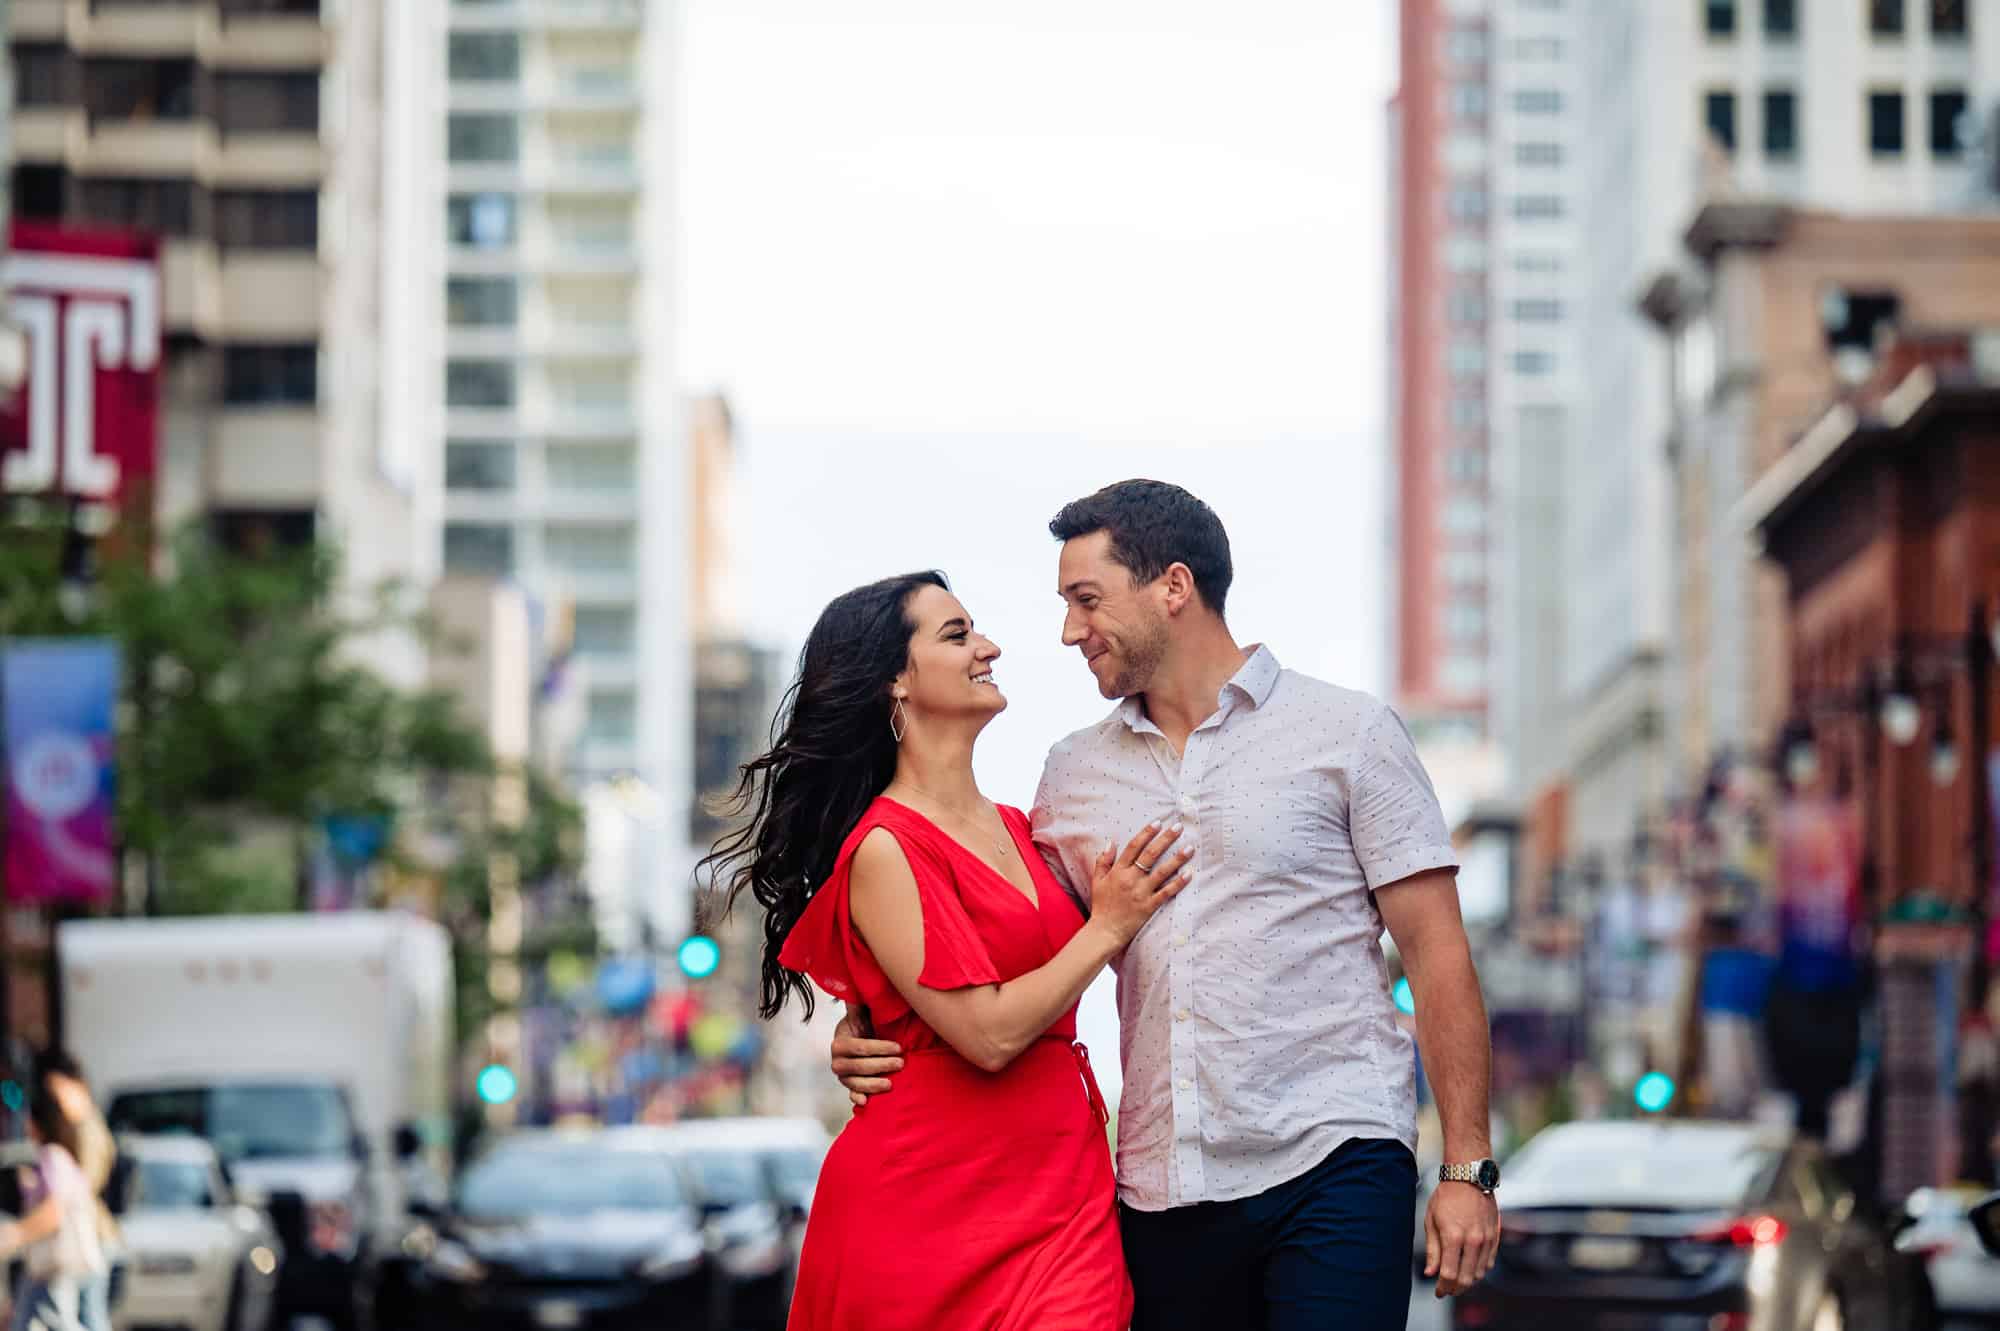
[1273, 831]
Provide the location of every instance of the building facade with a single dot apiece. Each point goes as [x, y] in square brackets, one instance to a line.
[280, 154]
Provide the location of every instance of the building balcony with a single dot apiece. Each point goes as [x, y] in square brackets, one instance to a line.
[191, 282]
[484, 423]
[39, 20]
[265, 457]
[605, 589]
[563, 422]
[49, 133]
[593, 342]
[153, 148]
[619, 506]
[547, 15]
[575, 175]
[560, 257]
[138, 29]
[232, 37]
[270, 159]
[271, 296]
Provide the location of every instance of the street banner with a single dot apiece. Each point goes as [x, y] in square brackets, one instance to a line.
[56, 702]
[85, 424]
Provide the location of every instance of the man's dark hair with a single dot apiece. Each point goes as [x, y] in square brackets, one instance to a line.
[1154, 526]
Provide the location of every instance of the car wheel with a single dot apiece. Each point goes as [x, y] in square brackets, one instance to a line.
[1830, 1315]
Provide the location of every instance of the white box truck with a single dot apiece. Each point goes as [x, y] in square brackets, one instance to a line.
[313, 1051]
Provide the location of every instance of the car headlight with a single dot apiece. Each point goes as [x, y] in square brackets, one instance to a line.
[454, 1262]
[762, 1257]
[676, 1257]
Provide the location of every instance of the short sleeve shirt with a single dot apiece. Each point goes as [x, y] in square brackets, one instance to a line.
[1256, 1025]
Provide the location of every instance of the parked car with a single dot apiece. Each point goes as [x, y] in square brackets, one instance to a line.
[755, 1177]
[1724, 1226]
[198, 1257]
[565, 1231]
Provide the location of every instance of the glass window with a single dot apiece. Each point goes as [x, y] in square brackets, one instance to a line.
[170, 1185]
[1719, 16]
[601, 631]
[1781, 124]
[1468, 413]
[574, 467]
[1533, 362]
[1465, 464]
[1537, 207]
[1467, 46]
[271, 375]
[1538, 101]
[42, 74]
[481, 302]
[273, 219]
[613, 717]
[479, 383]
[141, 90]
[1538, 154]
[1948, 108]
[1465, 203]
[590, 549]
[1538, 261]
[1465, 254]
[1950, 20]
[170, 207]
[1781, 19]
[244, 1121]
[1468, 101]
[1466, 356]
[1885, 18]
[267, 103]
[1719, 114]
[1466, 305]
[1885, 123]
[479, 547]
[1465, 516]
[519, 1181]
[485, 57]
[478, 465]
[482, 221]
[1537, 311]
[483, 137]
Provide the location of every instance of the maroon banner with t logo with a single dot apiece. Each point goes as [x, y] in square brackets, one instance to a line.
[85, 423]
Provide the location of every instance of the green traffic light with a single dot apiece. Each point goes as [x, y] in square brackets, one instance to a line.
[496, 1084]
[1654, 1092]
[12, 1096]
[699, 956]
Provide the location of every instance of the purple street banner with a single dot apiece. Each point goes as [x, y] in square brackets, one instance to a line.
[56, 702]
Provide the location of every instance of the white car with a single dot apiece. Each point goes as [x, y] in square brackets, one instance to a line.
[196, 1257]
[1964, 1278]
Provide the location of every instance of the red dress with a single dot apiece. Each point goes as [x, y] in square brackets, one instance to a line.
[962, 1200]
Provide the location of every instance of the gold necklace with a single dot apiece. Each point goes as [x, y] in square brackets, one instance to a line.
[999, 846]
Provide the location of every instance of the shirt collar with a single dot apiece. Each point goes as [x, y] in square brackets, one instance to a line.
[1254, 681]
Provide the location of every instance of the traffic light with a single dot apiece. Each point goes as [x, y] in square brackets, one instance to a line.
[12, 1096]
[496, 1084]
[1654, 1092]
[699, 956]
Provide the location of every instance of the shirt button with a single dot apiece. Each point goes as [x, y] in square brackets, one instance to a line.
[1186, 1084]
[1182, 1015]
[1180, 940]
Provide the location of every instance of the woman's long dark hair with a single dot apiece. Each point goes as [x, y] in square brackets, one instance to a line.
[831, 754]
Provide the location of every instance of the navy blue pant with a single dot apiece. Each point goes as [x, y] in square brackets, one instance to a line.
[1329, 1249]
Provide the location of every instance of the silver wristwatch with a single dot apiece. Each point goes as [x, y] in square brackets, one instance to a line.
[1481, 1174]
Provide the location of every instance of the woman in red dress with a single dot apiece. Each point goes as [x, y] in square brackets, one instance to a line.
[984, 1183]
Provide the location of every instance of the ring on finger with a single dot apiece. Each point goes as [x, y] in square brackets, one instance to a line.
[1143, 868]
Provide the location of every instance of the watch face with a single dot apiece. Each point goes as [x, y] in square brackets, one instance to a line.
[1489, 1175]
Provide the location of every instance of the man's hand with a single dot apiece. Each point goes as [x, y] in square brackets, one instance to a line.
[863, 1064]
[1461, 1237]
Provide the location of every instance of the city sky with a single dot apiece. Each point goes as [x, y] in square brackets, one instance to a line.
[955, 266]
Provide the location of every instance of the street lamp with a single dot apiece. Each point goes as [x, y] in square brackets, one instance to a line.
[1900, 714]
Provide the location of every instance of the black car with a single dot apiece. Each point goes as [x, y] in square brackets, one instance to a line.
[1675, 1225]
[752, 1208]
[558, 1231]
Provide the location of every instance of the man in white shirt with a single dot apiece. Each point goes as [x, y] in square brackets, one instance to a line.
[1267, 1130]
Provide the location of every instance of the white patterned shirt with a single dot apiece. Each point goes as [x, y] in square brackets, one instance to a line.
[1255, 1021]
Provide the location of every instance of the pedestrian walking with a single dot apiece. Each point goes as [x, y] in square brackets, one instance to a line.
[58, 1230]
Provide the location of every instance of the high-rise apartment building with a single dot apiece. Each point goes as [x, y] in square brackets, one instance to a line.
[281, 154]
[563, 447]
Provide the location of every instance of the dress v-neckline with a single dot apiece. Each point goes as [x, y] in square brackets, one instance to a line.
[1032, 897]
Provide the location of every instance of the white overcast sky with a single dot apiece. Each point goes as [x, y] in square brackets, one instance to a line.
[957, 264]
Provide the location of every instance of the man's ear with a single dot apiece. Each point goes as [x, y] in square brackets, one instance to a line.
[1178, 585]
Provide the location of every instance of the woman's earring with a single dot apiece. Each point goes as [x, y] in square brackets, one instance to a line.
[899, 721]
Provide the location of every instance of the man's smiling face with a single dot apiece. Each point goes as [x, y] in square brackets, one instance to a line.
[1119, 626]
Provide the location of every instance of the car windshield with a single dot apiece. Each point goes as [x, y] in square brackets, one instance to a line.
[728, 1177]
[795, 1169]
[1640, 1167]
[246, 1122]
[171, 1185]
[513, 1182]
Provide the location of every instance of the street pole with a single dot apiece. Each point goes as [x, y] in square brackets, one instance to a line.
[1979, 649]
